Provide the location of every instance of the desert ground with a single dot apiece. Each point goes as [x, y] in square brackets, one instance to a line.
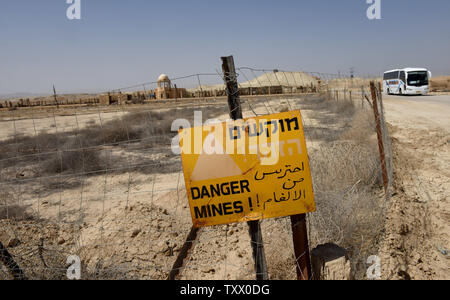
[417, 227]
[102, 183]
[124, 210]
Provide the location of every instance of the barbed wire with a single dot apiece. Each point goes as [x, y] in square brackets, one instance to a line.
[116, 178]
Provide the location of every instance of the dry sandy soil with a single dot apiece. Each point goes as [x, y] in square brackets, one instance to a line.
[418, 224]
[131, 223]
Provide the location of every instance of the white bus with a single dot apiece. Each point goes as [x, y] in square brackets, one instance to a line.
[408, 81]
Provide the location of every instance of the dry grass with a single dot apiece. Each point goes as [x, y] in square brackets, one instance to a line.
[344, 164]
[348, 83]
[440, 84]
[10, 209]
[82, 151]
[337, 110]
[343, 151]
[74, 160]
[346, 176]
[361, 128]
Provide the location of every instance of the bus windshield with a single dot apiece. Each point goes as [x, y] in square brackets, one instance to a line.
[419, 78]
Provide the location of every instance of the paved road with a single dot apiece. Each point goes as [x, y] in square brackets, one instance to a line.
[442, 99]
[419, 111]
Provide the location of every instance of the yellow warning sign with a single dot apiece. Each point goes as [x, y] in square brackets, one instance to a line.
[245, 170]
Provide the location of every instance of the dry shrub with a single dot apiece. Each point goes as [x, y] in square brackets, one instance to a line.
[362, 129]
[342, 164]
[21, 146]
[110, 133]
[10, 208]
[342, 83]
[74, 160]
[441, 84]
[281, 268]
[353, 220]
[80, 151]
[344, 108]
[346, 176]
[284, 108]
[279, 249]
[315, 103]
[138, 126]
[6, 152]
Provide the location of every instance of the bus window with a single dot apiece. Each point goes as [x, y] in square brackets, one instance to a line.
[418, 78]
[391, 75]
[403, 76]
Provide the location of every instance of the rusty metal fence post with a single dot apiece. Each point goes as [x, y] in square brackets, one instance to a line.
[301, 247]
[379, 135]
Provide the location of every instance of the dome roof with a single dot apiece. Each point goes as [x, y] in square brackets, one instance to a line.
[163, 77]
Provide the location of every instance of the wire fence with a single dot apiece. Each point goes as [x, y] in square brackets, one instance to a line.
[101, 182]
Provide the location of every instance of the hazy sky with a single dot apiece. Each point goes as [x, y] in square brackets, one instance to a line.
[120, 43]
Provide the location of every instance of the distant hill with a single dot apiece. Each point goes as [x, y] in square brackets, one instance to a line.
[269, 79]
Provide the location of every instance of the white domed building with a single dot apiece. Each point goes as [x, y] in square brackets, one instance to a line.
[163, 81]
[165, 90]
